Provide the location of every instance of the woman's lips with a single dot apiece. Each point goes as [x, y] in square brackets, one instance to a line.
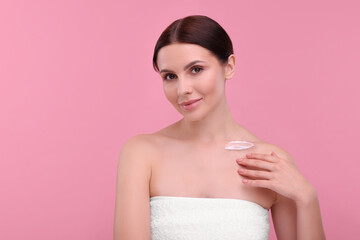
[192, 104]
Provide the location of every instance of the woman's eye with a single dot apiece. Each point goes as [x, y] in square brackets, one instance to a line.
[197, 69]
[167, 75]
[171, 76]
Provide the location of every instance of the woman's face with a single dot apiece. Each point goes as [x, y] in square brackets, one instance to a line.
[193, 79]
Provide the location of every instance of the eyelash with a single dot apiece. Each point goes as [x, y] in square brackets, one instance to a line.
[195, 67]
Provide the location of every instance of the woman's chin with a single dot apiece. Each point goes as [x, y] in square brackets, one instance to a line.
[191, 117]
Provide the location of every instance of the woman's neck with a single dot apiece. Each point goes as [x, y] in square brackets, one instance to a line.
[218, 126]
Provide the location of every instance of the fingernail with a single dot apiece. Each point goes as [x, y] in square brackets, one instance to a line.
[248, 155]
[239, 159]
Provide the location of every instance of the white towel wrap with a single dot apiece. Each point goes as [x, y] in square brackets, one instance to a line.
[190, 218]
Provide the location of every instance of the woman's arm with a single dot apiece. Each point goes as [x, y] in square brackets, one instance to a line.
[309, 224]
[296, 212]
[298, 220]
[132, 205]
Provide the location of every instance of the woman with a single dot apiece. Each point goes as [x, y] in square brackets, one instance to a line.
[181, 183]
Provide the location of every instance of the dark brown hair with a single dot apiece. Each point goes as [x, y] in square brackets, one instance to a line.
[196, 29]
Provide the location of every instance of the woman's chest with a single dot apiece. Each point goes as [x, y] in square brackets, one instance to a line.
[210, 173]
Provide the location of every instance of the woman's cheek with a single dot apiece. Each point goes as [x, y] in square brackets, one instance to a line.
[170, 94]
[208, 85]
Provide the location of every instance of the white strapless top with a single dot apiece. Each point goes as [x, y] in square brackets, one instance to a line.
[190, 218]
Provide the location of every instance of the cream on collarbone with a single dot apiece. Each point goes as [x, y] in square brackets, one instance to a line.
[238, 145]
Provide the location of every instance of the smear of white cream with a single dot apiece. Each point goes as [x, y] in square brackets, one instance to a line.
[238, 145]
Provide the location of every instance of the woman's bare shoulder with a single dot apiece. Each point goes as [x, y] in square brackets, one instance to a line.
[267, 148]
[146, 142]
[143, 141]
[150, 142]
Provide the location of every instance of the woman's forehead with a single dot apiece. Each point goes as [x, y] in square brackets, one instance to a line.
[180, 54]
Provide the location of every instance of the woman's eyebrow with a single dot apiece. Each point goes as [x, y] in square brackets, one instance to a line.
[186, 66]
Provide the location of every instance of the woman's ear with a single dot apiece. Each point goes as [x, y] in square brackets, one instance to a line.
[230, 67]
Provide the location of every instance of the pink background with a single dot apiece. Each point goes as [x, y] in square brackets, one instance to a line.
[76, 81]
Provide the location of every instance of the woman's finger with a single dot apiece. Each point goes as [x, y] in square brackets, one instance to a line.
[255, 173]
[266, 157]
[256, 163]
[258, 183]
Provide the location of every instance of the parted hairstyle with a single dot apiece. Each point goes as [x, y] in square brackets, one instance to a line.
[196, 29]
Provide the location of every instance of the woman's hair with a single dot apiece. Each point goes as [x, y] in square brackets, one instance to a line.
[196, 29]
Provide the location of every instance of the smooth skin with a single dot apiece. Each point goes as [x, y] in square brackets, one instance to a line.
[282, 176]
[187, 157]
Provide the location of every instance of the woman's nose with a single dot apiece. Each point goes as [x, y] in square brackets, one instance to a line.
[184, 87]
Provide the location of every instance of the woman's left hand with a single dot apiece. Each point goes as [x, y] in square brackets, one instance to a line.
[275, 173]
